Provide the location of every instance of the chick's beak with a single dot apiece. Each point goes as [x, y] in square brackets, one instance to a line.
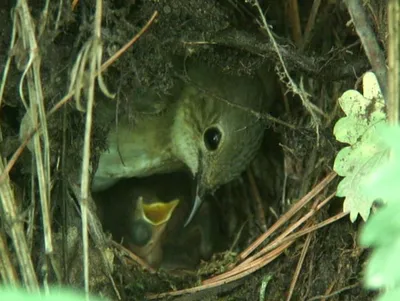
[150, 220]
[149, 223]
[157, 213]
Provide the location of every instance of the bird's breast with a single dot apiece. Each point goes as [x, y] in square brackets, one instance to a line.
[135, 152]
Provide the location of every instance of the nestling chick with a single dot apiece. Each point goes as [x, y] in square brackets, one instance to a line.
[135, 215]
[147, 228]
[134, 212]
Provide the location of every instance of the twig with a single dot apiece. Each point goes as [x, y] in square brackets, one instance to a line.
[8, 63]
[290, 229]
[32, 210]
[60, 8]
[298, 267]
[7, 271]
[16, 231]
[91, 55]
[310, 23]
[300, 262]
[36, 111]
[250, 267]
[206, 289]
[74, 4]
[330, 288]
[92, 52]
[280, 247]
[56, 107]
[368, 39]
[43, 18]
[295, 60]
[350, 287]
[133, 257]
[315, 227]
[394, 62]
[311, 108]
[130, 43]
[289, 214]
[294, 19]
[96, 231]
[275, 243]
[259, 209]
[216, 283]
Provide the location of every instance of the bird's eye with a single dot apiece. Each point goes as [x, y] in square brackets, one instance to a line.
[212, 138]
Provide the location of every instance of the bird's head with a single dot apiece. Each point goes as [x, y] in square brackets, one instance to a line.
[216, 131]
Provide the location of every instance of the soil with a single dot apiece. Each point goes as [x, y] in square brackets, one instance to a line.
[222, 33]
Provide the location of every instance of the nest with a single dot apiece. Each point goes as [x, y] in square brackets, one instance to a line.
[61, 61]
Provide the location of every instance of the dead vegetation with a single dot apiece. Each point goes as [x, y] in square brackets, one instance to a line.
[282, 231]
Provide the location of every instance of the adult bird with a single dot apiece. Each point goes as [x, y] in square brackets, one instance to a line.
[212, 129]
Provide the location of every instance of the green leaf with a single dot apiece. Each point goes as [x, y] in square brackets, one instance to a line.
[364, 115]
[384, 181]
[382, 231]
[383, 228]
[393, 295]
[56, 294]
[383, 267]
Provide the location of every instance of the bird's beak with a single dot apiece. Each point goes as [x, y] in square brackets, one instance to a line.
[197, 201]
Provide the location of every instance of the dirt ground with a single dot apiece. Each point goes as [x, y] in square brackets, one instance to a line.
[324, 58]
